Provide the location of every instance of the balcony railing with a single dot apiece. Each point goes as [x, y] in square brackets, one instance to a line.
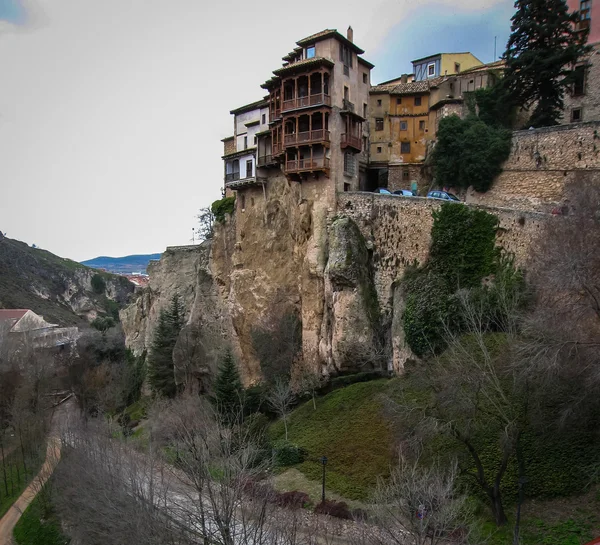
[318, 135]
[232, 176]
[304, 102]
[301, 165]
[349, 141]
[277, 148]
[348, 106]
[264, 160]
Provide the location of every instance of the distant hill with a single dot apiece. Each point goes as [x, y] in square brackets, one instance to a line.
[58, 289]
[122, 265]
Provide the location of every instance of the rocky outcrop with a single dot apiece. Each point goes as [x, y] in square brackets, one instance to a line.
[350, 333]
[186, 271]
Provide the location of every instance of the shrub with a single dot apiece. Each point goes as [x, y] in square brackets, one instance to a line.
[469, 152]
[338, 509]
[292, 500]
[221, 207]
[98, 284]
[288, 454]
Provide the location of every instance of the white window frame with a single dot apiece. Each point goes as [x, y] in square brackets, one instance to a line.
[429, 72]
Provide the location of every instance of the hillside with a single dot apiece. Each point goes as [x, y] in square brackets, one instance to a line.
[122, 265]
[58, 289]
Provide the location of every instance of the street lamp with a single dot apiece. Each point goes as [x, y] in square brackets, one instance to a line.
[324, 462]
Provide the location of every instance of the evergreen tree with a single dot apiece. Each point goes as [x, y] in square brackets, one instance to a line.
[161, 370]
[228, 390]
[540, 56]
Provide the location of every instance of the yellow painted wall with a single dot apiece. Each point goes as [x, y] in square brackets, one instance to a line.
[466, 61]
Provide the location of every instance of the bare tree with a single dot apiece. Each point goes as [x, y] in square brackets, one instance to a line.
[423, 504]
[281, 398]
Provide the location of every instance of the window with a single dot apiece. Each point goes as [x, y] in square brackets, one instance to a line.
[584, 9]
[249, 169]
[364, 110]
[345, 55]
[417, 101]
[405, 175]
[245, 142]
[264, 118]
[378, 123]
[365, 78]
[576, 115]
[365, 142]
[405, 147]
[403, 125]
[456, 67]
[399, 100]
[346, 186]
[421, 125]
[310, 52]
[254, 140]
[346, 93]
[379, 102]
[346, 70]
[349, 163]
[579, 85]
[431, 69]
[378, 149]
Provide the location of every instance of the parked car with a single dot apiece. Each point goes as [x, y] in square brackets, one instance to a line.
[443, 195]
[383, 191]
[403, 193]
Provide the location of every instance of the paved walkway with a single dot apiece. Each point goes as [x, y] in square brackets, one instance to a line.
[10, 519]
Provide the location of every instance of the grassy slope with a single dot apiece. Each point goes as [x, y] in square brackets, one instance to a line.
[349, 428]
[25, 270]
[17, 479]
[37, 527]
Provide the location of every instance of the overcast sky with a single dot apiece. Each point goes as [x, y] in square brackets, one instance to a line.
[112, 111]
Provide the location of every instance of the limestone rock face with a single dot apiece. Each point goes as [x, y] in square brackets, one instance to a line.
[184, 270]
[349, 336]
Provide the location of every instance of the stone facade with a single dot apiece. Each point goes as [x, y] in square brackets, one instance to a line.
[588, 102]
[542, 163]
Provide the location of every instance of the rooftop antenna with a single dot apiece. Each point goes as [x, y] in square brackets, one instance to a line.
[495, 40]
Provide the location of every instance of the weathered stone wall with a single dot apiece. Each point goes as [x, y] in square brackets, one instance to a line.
[397, 179]
[542, 163]
[589, 102]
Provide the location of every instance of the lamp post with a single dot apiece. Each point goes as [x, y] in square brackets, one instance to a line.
[324, 462]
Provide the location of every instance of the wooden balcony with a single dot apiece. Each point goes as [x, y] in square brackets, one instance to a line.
[266, 160]
[232, 177]
[307, 165]
[349, 141]
[306, 102]
[308, 137]
[277, 148]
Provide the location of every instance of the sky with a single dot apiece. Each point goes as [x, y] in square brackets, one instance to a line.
[112, 111]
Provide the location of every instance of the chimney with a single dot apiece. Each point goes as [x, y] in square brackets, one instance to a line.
[350, 34]
[404, 78]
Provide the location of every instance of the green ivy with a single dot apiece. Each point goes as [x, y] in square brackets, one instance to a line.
[222, 207]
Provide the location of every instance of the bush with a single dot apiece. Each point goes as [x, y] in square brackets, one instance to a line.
[288, 454]
[292, 500]
[338, 509]
[469, 152]
[98, 284]
[221, 207]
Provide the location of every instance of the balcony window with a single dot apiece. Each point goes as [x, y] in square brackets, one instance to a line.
[405, 175]
[405, 147]
[249, 169]
[403, 125]
[417, 101]
[264, 118]
[379, 124]
[431, 69]
[399, 101]
[310, 52]
[346, 55]
[421, 125]
[232, 170]
[365, 78]
[245, 142]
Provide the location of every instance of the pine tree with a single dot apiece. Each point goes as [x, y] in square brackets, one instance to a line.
[228, 390]
[540, 55]
[161, 370]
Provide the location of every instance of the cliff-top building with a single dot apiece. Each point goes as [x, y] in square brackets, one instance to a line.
[311, 127]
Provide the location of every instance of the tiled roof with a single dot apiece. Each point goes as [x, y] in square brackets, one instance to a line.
[440, 54]
[407, 88]
[482, 67]
[12, 313]
[329, 33]
[248, 107]
[316, 61]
